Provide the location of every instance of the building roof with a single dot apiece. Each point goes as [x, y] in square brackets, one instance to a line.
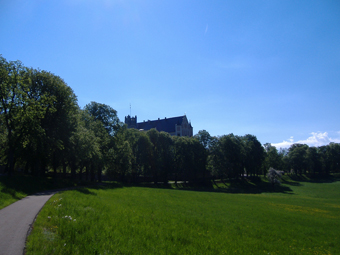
[167, 124]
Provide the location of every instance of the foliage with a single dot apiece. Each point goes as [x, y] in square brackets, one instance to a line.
[42, 129]
[274, 176]
[105, 114]
[228, 157]
[254, 155]
[37, 111]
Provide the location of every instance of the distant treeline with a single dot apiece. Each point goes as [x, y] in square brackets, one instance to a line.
[42, 129]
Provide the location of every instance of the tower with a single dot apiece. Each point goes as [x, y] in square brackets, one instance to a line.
[131, 121]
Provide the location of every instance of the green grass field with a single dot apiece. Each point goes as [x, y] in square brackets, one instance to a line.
[301, 217]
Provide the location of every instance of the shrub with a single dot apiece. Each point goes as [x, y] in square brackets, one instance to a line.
[274, 176]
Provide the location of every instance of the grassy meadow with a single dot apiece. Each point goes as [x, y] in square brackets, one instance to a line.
[300, 217]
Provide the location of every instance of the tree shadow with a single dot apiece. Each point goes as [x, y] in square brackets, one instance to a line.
[256, 186]
[291, 183]
[315, 178]
[18, 186]
[10, 192]
[85, 191]
[234, 186]
[107, 185]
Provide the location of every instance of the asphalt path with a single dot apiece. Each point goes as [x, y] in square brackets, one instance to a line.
[16, 220]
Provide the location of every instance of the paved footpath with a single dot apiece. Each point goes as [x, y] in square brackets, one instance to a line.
[16, 219]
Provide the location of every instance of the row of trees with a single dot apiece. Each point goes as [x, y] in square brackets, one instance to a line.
[43, 129]
[302, 159]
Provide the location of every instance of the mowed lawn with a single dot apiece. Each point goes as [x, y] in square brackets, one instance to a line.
[141, 220]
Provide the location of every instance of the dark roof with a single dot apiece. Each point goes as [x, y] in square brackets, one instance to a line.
[167, 124]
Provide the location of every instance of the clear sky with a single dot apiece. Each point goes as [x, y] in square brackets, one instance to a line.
[263, 67]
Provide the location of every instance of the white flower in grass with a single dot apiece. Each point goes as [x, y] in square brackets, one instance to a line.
[49, 217]
[64, 244]
[74, 220]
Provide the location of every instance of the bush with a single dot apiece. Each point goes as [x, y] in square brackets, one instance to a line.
[274, 176]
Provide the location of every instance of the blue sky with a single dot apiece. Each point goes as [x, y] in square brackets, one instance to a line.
[268, 68]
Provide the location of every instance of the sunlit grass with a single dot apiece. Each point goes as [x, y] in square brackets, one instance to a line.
[141, 220]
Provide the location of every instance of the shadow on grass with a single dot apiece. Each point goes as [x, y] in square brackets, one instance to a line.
[18, 186]
[320, 178]
[245, 186]
[11, 192]
[253, 187]
[85, 191]
[289, 182]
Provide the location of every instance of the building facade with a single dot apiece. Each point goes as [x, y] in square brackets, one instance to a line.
[176, 126]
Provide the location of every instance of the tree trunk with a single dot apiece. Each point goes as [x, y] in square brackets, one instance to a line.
[87, 172]
[99, 174]
[64, 169]
[92, 173]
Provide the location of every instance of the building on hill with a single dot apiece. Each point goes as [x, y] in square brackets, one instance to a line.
[179, 126]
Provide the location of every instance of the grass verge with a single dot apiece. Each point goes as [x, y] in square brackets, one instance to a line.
[17, 187]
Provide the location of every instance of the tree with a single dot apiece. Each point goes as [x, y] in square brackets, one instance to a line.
[165, 145]
[274, 176]
[334, 157]
[200, 154]
[272, 157]
[10, 105]
[313, 160]
[84, 148]
[144, 153]
[206, 141]
[228, 157]
[120, 160]
[37, 109]
[161, 155]
[50, 111]
[254, 154]
[204, 138]
[106, 115]
[297, 158]
[183, 158]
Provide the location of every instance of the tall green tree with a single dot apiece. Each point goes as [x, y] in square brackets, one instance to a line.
[106, 115]
[120, 161]
[272, 157]
[161, 155]
[204, 138]
[297, 157]
[254, 154]
[11, 90]
[313, 160]
[228, 157]
[334, 157]
[144, 154]
[165, 150]
[50, 110]
[84, 149]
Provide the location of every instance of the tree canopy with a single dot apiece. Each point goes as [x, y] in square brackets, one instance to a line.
[42, 129]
